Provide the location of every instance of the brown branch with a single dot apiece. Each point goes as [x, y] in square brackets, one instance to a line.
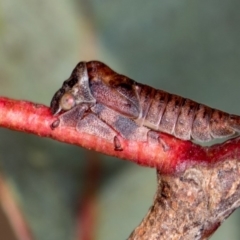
[198, 187]
[193, 204]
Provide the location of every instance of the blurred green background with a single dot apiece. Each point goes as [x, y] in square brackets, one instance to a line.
[190, 48]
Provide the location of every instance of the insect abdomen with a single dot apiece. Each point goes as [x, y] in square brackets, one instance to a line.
[183, 118]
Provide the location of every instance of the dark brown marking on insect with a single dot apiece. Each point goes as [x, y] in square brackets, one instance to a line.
[234, 121]
[156, 110]
[145, 95]
[185, 119]
[219, 125]
[200, 127]
[70, 82]
[164, 98]
[99, 71]
[205, 113]
[170, 115]
[117, 144]
[192, 106]
[125, 83]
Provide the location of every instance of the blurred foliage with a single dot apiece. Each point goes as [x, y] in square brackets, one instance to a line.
[186, 47]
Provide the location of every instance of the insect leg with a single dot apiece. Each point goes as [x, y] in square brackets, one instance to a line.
[117, 144]
[154, 137]
[71, 117]
[80, 118]
[123, 125]
[92, 124]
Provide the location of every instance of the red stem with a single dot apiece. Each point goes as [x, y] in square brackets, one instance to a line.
[37, 119]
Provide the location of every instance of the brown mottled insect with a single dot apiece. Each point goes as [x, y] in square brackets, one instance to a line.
[100, 101]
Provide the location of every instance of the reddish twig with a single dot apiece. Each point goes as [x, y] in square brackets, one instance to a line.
[198, 187]
[37, 119]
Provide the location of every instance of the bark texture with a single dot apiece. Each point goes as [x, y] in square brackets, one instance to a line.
[192, 204]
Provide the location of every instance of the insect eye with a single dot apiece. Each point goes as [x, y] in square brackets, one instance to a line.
[67, 101]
